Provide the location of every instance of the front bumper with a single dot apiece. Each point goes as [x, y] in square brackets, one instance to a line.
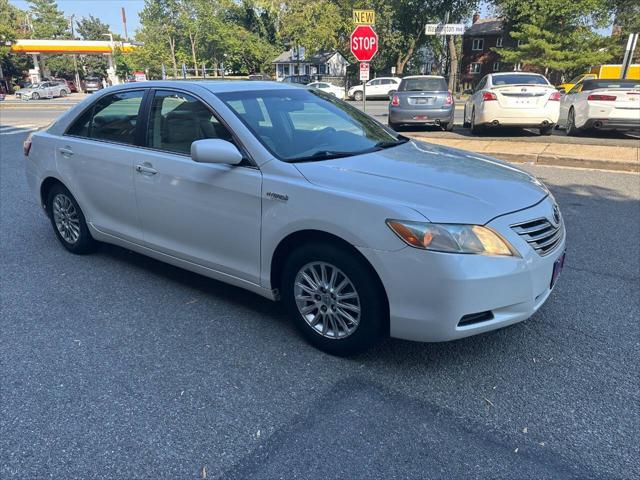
[422, 116]
[430, 293]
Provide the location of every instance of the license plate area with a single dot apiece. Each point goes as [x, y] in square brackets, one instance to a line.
[421, 117]
[558, 265]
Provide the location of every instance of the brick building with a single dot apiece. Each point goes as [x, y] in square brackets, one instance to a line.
[477, 57]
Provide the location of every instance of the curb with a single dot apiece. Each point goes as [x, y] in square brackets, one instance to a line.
[622, 159]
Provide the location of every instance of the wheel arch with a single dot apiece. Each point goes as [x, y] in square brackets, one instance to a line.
[45, 187]
[303, 237]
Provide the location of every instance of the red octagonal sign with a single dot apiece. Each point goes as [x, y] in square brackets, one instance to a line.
[364, 43]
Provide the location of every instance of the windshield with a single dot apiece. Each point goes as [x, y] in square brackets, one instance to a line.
[425, 84]
[594, 84]
[305, 125]
[519, 80]
[34, 85]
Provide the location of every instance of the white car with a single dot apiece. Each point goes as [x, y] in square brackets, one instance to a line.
[296, 196]
[43, 90]
[514, 99]
[329, 88]
[381, 87]
[602, 105]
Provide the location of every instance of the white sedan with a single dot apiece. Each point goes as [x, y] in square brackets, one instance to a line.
[514, 99]
[381, 87]
[300, 197]
[43, 90]
[602, 105]
[329, 88]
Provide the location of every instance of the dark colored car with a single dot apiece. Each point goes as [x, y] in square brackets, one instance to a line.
[301, 79]
[70, 84]
[92, 84]
[422, 100]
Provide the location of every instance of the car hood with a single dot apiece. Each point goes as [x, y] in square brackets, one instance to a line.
[443, 184]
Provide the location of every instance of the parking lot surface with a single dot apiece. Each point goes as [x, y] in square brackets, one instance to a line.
[117, 366]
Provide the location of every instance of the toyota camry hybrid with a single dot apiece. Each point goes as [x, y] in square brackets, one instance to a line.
[297, 196]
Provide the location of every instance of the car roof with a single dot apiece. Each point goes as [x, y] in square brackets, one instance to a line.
[516, 73]
[215, 86]
[422, 76]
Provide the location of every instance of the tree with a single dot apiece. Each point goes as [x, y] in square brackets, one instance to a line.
[10, 29]
[313, 25]
[47, 21]
[92, 28]
[555, 35]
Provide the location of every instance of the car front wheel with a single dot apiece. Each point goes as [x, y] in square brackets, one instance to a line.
[357, 96]
[68, 221]
[35, 96]
[332, 299]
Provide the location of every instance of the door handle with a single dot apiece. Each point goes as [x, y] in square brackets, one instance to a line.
[146, 169]
[66, 151]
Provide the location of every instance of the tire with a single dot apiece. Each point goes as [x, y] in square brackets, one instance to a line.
[571, 130]
[357, 96]
[371, 320]
[465, 124]
[546, 130]
[447, 127]
[35, 96]
[63, 93]
[68, 221]
[475, 129]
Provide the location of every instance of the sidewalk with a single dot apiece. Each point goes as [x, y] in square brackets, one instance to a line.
[558, 154]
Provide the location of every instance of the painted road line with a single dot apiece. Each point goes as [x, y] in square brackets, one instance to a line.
[13, 129]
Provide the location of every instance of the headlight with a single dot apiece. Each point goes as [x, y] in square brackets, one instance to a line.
[452, 238]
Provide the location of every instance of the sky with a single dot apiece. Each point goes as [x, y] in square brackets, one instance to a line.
[107, 11]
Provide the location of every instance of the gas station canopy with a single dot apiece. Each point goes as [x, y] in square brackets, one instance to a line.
[70, 46]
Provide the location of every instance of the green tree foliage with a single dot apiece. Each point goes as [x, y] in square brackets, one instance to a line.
[556, 35]
[311, 24]
[11, 22]
[91, 28]
[47, 21]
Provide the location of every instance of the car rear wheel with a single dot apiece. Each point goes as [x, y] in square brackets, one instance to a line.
[63, 93]
[68, 221]
[447, 127]
[571, 129]
[332, 300]
[475, 129]
[357, 96]
[465, 123]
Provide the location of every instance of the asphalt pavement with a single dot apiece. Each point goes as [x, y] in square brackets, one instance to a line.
[117, 366]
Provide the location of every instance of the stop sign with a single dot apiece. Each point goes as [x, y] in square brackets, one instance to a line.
[364, 43]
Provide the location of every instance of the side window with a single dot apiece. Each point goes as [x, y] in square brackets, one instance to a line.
[177, 120]
[481, 85]
[111, 118]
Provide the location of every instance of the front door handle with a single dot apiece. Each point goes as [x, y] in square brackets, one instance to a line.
[146, 168]
[66, 151]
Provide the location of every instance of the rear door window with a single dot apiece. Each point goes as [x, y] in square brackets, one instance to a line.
[112, 118]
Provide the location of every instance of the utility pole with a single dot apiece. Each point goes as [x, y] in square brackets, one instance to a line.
[124, 24]
[75, 57]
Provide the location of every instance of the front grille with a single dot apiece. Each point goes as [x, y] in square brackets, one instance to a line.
[541, 234]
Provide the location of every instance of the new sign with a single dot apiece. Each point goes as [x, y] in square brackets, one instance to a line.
[364, 72]
[364, 17]
[364, 43]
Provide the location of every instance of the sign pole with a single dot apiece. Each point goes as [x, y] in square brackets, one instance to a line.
[364, 96]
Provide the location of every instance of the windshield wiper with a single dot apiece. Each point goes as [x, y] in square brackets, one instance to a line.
[322, 155]
[391, 143]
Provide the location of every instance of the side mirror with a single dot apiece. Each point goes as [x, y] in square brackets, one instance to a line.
[213, 150]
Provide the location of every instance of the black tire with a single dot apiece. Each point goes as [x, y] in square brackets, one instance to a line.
[571, 129]
[373, 318]
[465, 124]
[63, 93]
[85, 242]
[35, 96]
[546, 130]
[357, 96]
[393, 126]
[447, 127]
[475, 129]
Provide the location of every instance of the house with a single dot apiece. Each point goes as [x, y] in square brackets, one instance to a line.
[478, 58]
[321, 64]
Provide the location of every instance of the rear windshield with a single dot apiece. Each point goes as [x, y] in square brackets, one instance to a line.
[593, 84]
[425, 84]
[519, 80]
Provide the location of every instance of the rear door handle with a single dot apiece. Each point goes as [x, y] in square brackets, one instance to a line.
[146, 169]
[66, 151]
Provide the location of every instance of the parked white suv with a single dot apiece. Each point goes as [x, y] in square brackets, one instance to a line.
[381, 87]
[294, 195]
[514, 99]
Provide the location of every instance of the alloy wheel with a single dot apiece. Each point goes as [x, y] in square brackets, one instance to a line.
[327, 300]
[66, 218]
